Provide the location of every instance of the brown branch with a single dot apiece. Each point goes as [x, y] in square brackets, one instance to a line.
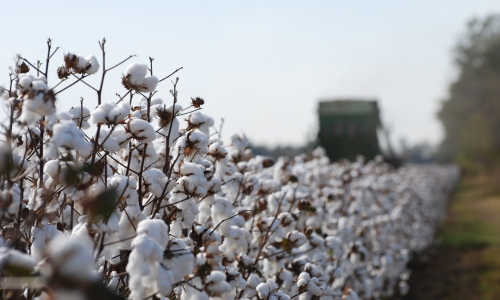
[170, 74]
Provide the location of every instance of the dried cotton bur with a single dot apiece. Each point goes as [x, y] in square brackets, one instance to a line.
[136, 197]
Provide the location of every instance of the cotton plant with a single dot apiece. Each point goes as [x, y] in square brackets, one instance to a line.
[142, 197]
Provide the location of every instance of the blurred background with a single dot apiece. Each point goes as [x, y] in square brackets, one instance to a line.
[415, 81]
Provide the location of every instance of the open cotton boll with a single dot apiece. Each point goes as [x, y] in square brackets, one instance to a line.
[304, 278]
[168, 124]
[13, 259]
[110, 113]
[237, 280]
[37, 103]
[296, 238]
[39, 85]
[164, 282]
[129, 220]
[156, 182]
[216, 283]
[136, 73]
[81, 63]
[221, 210]
[181, 260]
[67, 135]
[121, 136]
[142, 130]
[108, 141]
[310, 284]
[125, 186]
[197, 120]
[149, 84]
[141, 110]
[264, 290]
[24, 83]
[41, 238]
[192, 185]
[91, 65]
[253, 280]
[80, 116]
[156, 229]
[68, 255]
[239, 141]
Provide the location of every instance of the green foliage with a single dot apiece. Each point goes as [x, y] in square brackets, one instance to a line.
[471, 114]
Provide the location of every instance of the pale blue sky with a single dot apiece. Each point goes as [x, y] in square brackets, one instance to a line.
[263, 65]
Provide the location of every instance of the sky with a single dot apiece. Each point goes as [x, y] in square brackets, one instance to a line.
[261, 65]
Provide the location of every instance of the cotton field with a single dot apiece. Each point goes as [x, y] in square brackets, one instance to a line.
[138, 197]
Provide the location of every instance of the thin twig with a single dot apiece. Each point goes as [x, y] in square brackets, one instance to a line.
[171, 74]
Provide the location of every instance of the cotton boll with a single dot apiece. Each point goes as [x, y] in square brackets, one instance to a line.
[182, 260]
[266, 290]
[189, 210]
[121, 136]
[214, 185]
[41, 238]
[296, 238]
[129, 219]
[304, 278]
[108, 141]
[80, 232]
[237, 240]
[110, 113]
[156, 229]
[24, 83]
[221, 210]
[193, 181]
[68, 255]
[288, 281]
[81, 63]
[13, 259]
[192, 292]
[142, 130]
[156, 182]
[42, 78]
[91, 65]
[239, 141]
[253, 281]
[148, 85]
[68, 136]
[80, 116]
[313, 286]
[237, 280]
[37, 102]
[216, 283]
[136, 73]
[165, 281]
[197, 120]
[39, 85]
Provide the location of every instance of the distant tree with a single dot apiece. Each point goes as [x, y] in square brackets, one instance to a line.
[420, 153]
[471, 114]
